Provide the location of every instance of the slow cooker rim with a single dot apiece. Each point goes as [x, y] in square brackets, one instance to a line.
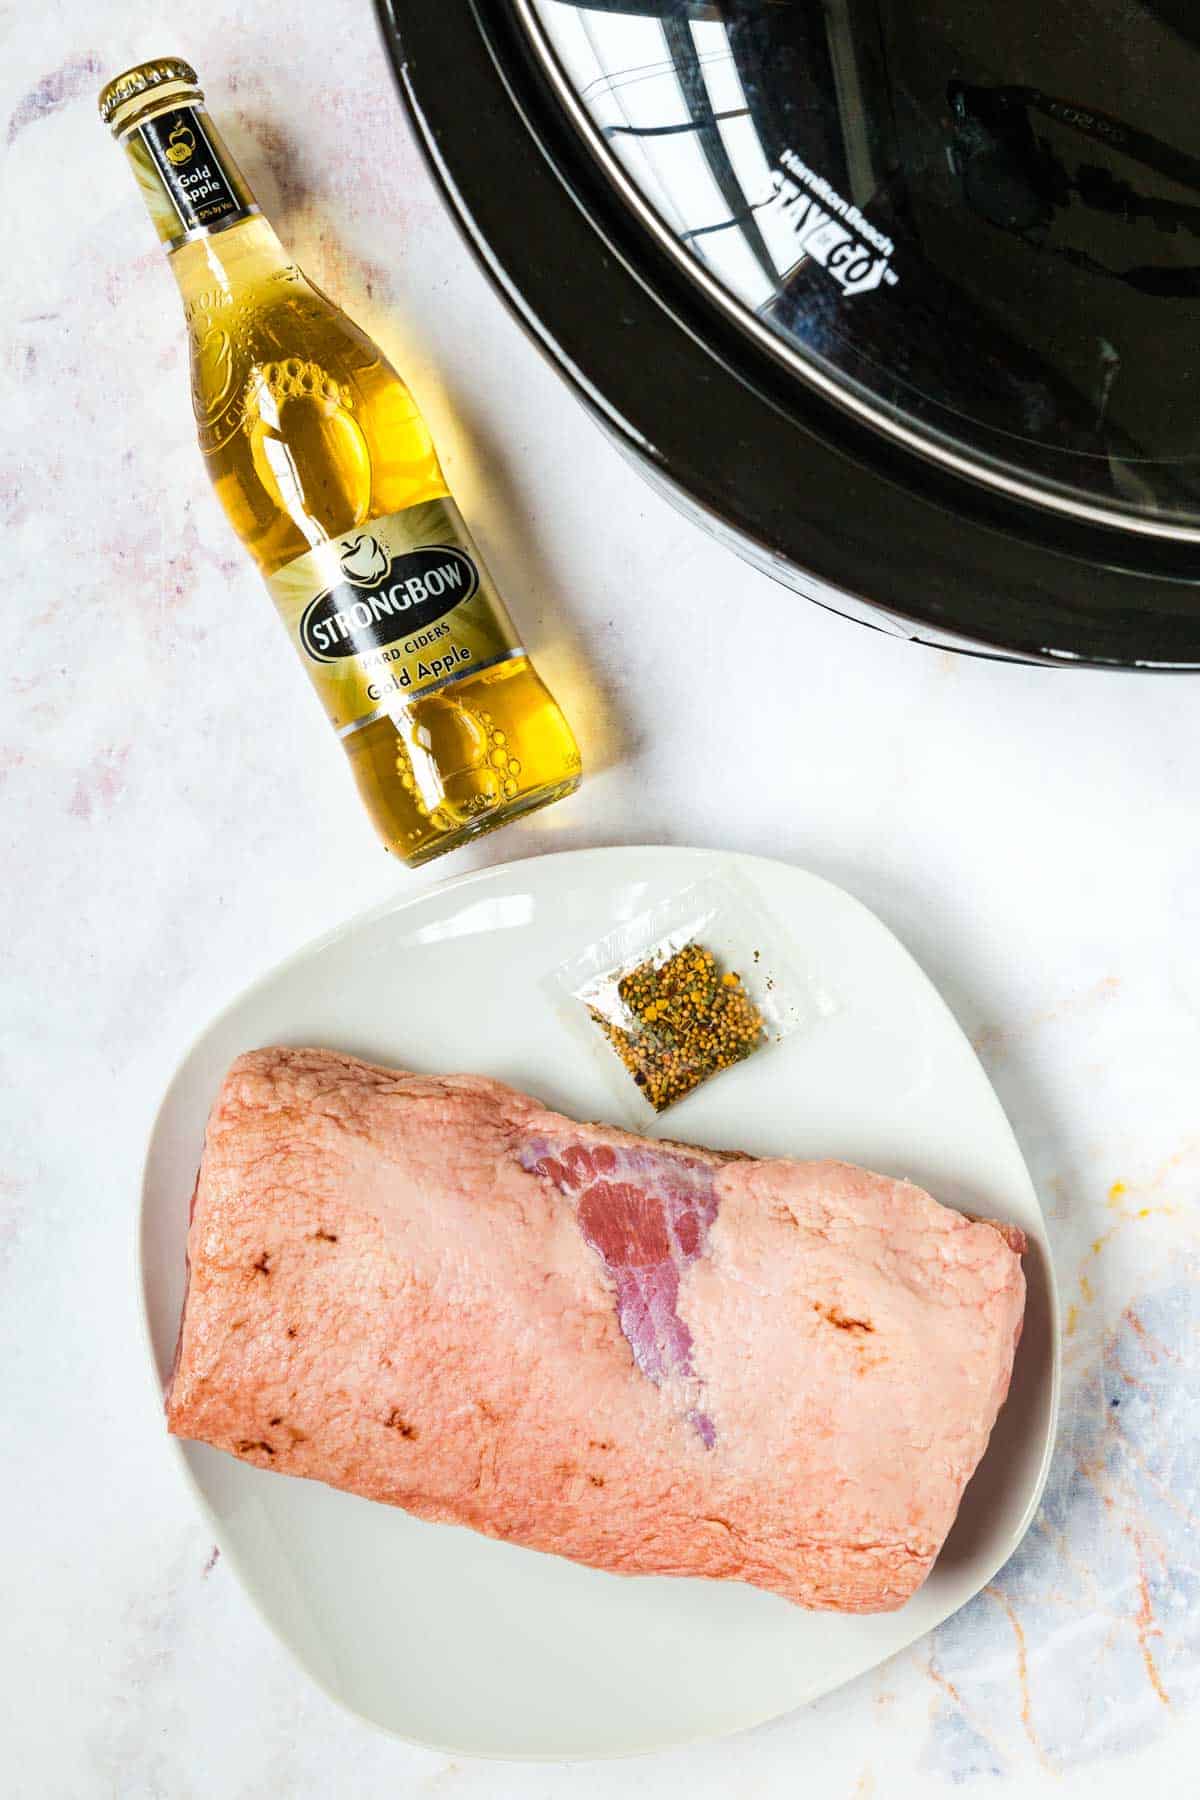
[939, 597]
[1050, 495]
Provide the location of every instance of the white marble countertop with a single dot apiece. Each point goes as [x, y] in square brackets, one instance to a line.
[176, 818]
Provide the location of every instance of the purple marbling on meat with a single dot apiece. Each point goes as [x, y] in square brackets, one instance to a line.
[647, 1215]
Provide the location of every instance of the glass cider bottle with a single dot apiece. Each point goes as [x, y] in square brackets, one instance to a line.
[328, 474]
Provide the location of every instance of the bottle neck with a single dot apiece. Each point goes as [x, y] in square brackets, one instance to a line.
[191, 185]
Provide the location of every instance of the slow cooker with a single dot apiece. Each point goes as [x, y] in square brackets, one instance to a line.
[899, 297]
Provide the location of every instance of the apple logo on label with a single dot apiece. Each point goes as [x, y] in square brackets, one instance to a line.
[364, 560]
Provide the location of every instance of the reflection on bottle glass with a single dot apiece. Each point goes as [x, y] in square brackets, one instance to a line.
[328, 474]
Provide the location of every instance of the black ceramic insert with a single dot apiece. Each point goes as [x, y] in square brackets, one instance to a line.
[903, 300]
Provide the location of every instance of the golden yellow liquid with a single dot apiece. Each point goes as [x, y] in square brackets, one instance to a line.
[308, 431]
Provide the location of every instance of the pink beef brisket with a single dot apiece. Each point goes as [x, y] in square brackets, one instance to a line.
[649, 1358]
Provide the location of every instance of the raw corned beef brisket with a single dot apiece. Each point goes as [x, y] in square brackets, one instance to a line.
[653, 1359]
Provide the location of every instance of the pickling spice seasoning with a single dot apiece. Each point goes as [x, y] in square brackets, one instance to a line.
[679, 1022]
[691, 985]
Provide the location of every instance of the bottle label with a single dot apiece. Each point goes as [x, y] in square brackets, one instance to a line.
[190, 183]
[395, 608]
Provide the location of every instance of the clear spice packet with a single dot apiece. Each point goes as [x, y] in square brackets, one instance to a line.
[691, 987]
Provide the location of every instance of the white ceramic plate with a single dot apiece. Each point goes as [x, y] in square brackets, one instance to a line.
[482, 1649]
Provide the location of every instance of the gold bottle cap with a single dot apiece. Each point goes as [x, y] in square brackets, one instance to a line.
[135, 84]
